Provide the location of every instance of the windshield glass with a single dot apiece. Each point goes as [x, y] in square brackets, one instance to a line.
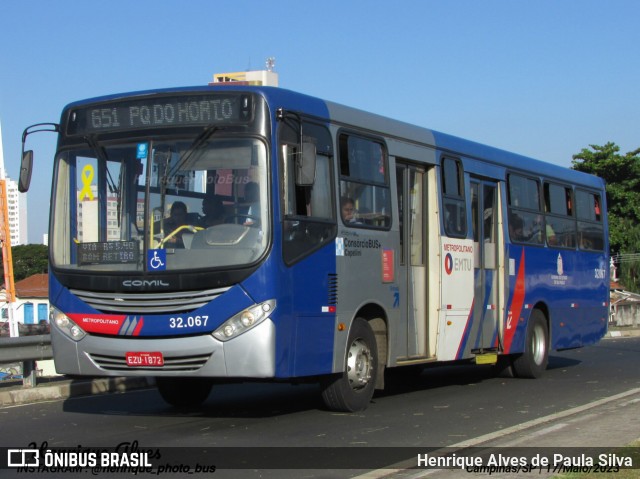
[161, 205]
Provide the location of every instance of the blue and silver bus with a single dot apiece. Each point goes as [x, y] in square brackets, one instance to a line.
[252, 233]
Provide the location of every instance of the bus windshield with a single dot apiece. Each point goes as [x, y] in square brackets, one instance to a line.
[160, 205]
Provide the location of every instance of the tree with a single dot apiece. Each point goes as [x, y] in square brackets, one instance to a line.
[29, 260]
[622, 176]
[629, 266]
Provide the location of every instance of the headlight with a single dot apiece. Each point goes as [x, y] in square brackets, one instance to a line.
[66, 325]
[245, 320]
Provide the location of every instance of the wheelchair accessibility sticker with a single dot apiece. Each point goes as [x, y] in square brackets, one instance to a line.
[157, 260]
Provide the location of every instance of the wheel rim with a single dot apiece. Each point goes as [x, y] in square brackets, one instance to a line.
[538, 345]
[359, 360]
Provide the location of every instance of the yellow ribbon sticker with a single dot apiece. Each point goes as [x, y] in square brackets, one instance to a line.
[87, 178]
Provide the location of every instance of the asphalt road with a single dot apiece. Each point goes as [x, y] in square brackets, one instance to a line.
[440, 407]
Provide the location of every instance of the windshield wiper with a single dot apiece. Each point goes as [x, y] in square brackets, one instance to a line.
[164, 174]
[197, 143]
[101, 154]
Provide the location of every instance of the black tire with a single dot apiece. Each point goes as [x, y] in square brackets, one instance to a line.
[184, 392]
[533, 362]
[353, 389]
[504, 367]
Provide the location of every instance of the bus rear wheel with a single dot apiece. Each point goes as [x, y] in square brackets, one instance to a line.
[533, 362]
[184, 392]
[353, 389]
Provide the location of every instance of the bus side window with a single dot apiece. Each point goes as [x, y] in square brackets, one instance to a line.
[309, 220]
[364, 183]
[560, 222]
[526, 222]
[590, 228]
[455, 220]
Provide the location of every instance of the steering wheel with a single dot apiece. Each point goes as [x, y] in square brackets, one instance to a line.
[173, 233]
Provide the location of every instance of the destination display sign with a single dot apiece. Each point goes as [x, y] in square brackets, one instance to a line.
[158, 112]
[112, 252]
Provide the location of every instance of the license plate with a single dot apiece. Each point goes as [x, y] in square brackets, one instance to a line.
[138, 359]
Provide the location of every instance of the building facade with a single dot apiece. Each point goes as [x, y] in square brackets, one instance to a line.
[16, 203]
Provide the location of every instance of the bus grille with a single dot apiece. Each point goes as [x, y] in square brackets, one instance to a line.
[177, 364]
[148, 303]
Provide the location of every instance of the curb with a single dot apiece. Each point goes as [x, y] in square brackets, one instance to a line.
[621, 333]
[72, 388]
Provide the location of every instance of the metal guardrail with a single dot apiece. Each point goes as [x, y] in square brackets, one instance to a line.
[28, 350]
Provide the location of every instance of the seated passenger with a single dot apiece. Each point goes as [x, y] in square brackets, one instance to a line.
[552, 239]
[177, 217]
[348, 210]
[516, 228]
[213, 210]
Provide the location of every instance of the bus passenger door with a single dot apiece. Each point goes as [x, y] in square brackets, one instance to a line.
[486, 305]
[412, 294]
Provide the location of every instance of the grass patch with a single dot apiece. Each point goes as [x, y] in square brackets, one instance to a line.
[631, 450]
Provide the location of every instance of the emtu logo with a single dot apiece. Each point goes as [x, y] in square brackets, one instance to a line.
[23, 457]
[448, 263]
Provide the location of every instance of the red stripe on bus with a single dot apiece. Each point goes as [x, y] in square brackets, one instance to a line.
[136, 331]
[516, 306]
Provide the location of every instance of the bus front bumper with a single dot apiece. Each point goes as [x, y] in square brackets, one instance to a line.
[250, 355]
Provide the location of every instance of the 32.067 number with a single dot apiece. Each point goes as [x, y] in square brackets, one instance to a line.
[188, 322]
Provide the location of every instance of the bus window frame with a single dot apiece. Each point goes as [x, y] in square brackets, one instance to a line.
[596, 196]
[524, 212]
[553, 216]
[365, 183]
[456, 200]
[305, 223]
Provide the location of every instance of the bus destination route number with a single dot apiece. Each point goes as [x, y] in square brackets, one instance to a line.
[161, 112]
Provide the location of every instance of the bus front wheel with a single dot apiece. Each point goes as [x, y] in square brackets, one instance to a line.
[353, 389]
[533, 361]
[184, 392]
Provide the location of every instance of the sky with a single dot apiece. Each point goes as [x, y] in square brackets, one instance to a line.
[543, 78]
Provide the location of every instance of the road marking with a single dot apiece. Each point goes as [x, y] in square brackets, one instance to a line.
[409, 463]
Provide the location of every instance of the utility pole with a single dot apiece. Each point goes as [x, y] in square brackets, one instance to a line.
[5, 241]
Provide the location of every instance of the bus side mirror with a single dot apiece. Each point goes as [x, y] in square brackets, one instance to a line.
[306, 165]
[26, 168]
[26, 165]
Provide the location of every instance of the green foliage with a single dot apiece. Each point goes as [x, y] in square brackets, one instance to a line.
[630, 275]
[629, 267]
[29, 260]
